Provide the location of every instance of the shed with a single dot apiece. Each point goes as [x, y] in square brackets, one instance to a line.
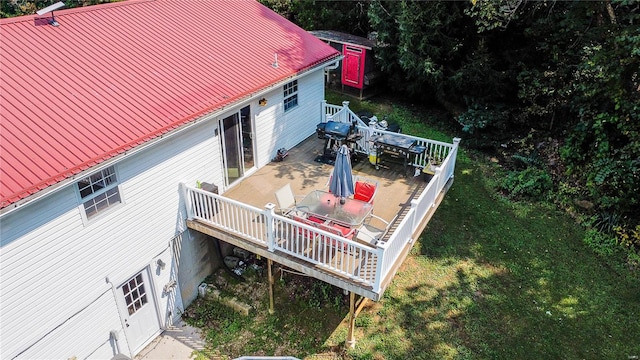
[357, 74]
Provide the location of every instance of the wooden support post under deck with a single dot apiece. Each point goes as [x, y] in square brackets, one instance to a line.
[269, 265]
[351, 340]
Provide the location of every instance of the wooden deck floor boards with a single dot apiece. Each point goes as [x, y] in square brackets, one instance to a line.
[304, 174]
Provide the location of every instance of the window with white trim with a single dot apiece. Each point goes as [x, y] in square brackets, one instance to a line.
[135, 294]
[99, 191]
[290, 95]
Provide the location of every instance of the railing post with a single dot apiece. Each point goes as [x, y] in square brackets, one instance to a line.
[416, 216]
[187, 200]
[440, 182]
[268, 215]
[323, 106]
[345, 112]
[456, 143]
[378, 280]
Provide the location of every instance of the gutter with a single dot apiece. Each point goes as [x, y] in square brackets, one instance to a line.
[335, 65]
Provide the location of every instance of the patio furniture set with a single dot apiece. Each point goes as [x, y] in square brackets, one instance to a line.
[323, 210]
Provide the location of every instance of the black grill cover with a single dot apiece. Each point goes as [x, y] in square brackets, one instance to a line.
[333, 129]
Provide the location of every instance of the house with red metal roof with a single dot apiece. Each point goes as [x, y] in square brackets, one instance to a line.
[104, 111]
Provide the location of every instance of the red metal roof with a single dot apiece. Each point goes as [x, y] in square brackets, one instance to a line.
[113, 76]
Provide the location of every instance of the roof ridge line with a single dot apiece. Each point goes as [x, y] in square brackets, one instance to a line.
[63, 12]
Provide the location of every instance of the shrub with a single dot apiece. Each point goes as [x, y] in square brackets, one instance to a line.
[628, 237]
[531, 183]
[479, 117]
[601, 243]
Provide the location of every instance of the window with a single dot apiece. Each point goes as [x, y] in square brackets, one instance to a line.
[134, 293]
[290, 95]
[99, 191]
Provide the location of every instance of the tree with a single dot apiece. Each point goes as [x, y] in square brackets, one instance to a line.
[346, 16]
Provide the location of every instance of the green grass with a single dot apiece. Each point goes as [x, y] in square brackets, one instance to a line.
[492, 279]
[488, 279]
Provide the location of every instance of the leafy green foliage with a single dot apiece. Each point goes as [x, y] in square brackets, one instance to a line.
[628, 238]
[530, 183]
[505, 68]
[346, 16]
[485, 123]
[493, 14]
[601, 243]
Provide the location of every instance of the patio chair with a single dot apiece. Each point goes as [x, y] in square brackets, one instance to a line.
[365, 189]
[307, 220]
[339, 230]
[370, 234]
[285, 199]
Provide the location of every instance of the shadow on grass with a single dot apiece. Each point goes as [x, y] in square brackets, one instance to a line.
[490, 279]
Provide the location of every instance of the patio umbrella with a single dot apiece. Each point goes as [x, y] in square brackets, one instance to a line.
[341, 184]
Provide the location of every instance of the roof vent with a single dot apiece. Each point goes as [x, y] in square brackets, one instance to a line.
[275, 60]
[50, 9]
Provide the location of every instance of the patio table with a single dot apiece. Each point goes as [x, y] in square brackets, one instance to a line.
[327, 206]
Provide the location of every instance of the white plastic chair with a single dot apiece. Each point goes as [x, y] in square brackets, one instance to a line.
[285, 199]
[370, 234]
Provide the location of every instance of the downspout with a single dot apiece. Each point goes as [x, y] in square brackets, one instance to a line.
[331, 67]
[114, 336]
[334, 66]
[115, 298]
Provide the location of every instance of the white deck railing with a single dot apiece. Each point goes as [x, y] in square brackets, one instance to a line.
[274, 232]
[435, 153]
[362, 263]
[341, 114]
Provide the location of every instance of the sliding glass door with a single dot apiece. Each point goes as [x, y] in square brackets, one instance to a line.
[237, 144]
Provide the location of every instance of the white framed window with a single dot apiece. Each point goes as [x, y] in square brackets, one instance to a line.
[290, 95]
[99, 191]
[135, 294]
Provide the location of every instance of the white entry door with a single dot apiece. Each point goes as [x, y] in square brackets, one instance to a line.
[139, 313]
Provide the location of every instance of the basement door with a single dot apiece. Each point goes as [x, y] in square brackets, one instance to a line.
[237, 144]
[139, 313]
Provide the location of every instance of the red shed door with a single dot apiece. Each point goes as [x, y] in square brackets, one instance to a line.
[353, 66]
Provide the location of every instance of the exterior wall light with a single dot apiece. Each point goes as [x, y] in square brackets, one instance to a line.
[161, 264]
[262, 102]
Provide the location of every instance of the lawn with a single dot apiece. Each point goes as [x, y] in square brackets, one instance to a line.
[488, 279]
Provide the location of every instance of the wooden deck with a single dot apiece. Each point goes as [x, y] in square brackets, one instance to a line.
[305, 175]
[243, 216]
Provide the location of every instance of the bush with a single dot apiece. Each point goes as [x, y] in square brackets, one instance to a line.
[530, 183]
[484, 124]
[601, 243]
[629, 238]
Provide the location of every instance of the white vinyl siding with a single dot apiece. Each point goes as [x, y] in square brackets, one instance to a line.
[276, 128]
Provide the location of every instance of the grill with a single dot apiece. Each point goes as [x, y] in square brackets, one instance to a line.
[333, 130]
